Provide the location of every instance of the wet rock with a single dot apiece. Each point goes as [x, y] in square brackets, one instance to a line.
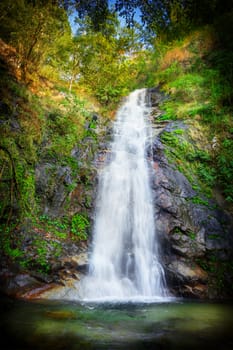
[187, 279]
[17, 284]
[187, 272]
[80, 259]
[38, 292]
[155, 96]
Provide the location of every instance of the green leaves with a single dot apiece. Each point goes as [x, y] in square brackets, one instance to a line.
[96, 10]
[225, 168]
[33, 30]
[79, 226]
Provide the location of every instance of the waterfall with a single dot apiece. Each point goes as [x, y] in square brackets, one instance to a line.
[124, 263]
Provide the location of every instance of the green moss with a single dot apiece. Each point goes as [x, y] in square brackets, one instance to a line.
[213, 236]
[195, 163]
[42, 255]
[219, 273]
[225, 168]
[199, 200]
[192, 235]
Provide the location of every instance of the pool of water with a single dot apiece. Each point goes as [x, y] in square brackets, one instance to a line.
[56, 325]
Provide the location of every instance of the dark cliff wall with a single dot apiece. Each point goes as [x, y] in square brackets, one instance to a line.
[195, 230]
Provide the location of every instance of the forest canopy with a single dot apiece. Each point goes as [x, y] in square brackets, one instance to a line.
[161, 17]
[113, 40]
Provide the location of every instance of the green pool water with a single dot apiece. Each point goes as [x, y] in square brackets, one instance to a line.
[180, 324]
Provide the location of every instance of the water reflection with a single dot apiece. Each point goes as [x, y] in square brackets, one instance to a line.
[174, 325]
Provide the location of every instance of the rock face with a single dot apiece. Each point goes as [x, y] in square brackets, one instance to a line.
[63, 190]
[52, 181]
[195, 234]
[196, 240]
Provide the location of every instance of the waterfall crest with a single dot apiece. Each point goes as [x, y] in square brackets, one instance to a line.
[124, 261]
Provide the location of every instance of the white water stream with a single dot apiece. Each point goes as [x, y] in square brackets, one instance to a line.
[124, 261]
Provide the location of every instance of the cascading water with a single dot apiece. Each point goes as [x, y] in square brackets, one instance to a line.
[124, 261]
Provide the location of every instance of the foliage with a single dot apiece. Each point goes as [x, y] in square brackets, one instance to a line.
[97, 11]
[17, 157]
[225, 168]
[13, 247]
[200, 88]
[195, 163]
[167, 19]
[218, 271]
[32, 28]
[64, 130]
[11, 250]
[33, 128]
[58, 227]
[105, 64]
[79, 226]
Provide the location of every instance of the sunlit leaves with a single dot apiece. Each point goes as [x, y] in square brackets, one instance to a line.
[33, 29]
